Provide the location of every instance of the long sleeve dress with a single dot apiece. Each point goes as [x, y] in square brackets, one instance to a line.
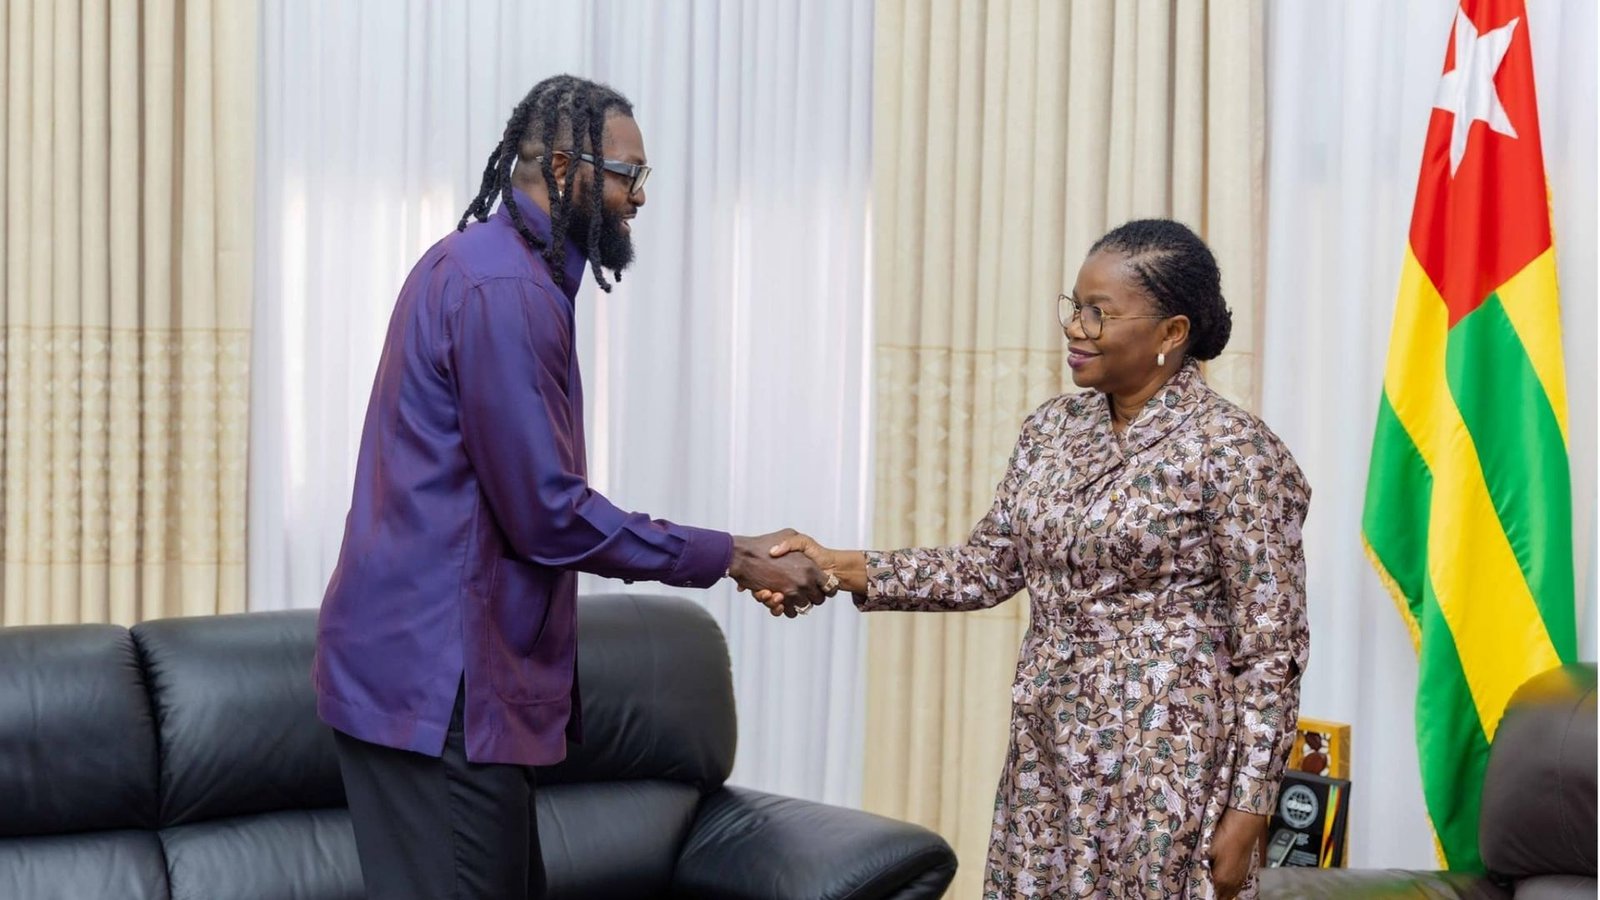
[1158, 683]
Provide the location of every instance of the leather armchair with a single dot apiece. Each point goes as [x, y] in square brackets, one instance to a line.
[1536, 828]
[183, 759]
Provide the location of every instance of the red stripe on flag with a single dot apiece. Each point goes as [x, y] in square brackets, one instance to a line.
[1476, 228]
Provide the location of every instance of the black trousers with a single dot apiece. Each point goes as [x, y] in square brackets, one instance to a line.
[435, 828]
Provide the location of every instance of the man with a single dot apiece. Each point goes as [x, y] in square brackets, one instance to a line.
[446, 645]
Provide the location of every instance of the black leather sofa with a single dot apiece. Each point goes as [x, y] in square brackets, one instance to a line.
[183, 759]
[1536, 829]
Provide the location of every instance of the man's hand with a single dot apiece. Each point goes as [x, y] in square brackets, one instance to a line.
[843, 568]
[1238, 835]
[792, 581]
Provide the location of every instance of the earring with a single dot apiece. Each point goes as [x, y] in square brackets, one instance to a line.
[1161, 359]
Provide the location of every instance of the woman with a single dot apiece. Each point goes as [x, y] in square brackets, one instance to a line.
[1156, 527]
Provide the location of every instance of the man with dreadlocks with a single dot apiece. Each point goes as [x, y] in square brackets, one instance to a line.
[446, 646]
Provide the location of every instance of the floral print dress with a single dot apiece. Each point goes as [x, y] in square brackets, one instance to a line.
[1158, 682]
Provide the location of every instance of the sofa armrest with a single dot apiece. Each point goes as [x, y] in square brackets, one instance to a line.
[746, 845]
[1317, 884]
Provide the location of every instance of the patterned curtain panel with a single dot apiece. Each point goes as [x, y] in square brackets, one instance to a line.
[125, 246]
[1008, 136]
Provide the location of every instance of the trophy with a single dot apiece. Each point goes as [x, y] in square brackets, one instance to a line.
[1310, 824]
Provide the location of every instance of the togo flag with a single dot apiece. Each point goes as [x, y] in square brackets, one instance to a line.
[1468, 514]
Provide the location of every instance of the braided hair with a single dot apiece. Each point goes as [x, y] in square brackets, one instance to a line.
[557, 107]
[1178, 271]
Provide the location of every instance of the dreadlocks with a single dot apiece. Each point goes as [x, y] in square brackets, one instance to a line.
[1180, 274]
[560, 106]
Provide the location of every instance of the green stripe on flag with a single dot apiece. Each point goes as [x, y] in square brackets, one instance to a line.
[1399, 494]
[1451, 744]
[1523, 456]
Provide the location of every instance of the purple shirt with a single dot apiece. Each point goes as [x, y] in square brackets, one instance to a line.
[472, 514]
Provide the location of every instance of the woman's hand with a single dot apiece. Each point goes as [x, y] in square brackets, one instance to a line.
[791, 585]
[845, 569]
[1235, 842]
[825, 559]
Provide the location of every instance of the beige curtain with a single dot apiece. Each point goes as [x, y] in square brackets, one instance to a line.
[1009, 135]
[129, 137]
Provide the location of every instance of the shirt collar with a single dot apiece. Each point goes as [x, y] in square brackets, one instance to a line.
[575, 259]
[1170, 406]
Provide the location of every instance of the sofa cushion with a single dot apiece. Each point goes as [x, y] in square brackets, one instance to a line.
[613, 840]
[236, 716]
[104, 865]
[295, 853]
[1538, 813]
[657, 691]
[77, 743]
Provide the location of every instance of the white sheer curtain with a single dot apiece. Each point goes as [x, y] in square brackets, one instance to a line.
[726, 374]
[1350, 86]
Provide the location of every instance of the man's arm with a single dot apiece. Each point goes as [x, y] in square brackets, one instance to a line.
[509, 356]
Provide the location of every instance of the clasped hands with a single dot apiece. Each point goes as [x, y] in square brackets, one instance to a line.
[786, 571]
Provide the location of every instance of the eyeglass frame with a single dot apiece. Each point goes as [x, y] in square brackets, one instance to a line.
[1077, 313]
[636, 174]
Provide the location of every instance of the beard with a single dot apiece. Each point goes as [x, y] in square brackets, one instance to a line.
[616, 244]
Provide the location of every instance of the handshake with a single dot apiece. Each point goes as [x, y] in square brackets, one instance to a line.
[786, 571]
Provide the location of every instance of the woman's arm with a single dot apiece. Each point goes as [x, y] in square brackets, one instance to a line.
[1258, 508]
[984, 571]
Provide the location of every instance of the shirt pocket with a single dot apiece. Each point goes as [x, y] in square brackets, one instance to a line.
[530, 638]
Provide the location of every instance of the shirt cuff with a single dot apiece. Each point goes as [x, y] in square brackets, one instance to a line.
[880, 575]
[1253, 795]
[705, 558]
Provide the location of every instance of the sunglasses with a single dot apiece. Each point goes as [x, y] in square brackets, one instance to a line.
[637, 175]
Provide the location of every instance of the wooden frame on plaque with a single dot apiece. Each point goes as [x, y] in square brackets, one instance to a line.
[1321, 748]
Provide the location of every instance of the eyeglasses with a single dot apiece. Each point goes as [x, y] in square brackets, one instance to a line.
[1092, 317]
[637, 175]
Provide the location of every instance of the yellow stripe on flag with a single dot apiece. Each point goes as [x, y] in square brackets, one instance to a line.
[1533, 305]
[1497, 629]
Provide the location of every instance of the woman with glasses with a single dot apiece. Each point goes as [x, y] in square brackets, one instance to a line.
[1156, 528]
